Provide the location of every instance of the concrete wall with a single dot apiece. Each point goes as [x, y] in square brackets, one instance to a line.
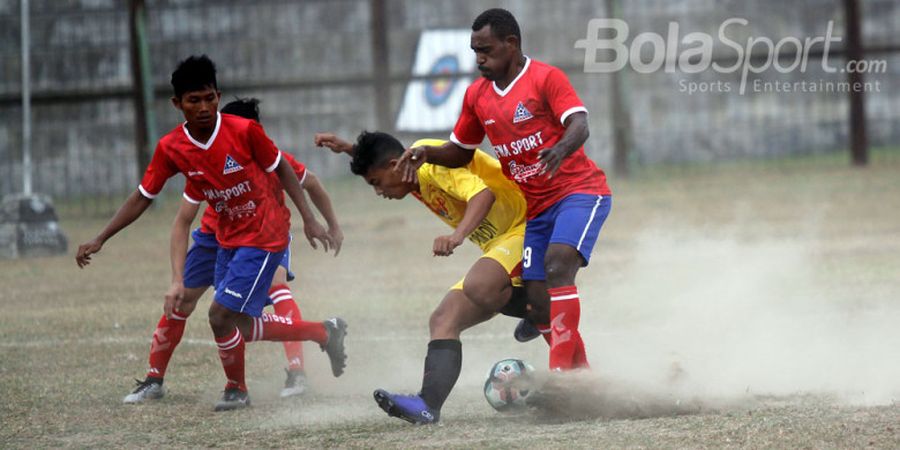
[84, 147]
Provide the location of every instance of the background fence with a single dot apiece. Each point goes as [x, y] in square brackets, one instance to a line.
[344, 65]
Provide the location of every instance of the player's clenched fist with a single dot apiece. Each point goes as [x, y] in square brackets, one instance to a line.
[444, 245]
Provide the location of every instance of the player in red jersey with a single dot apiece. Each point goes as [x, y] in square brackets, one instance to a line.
[227, 161]
[537, 126]
[199, 275]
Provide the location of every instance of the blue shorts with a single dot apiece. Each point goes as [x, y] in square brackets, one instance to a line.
[200, 265]
[243, 277]
[574, 221]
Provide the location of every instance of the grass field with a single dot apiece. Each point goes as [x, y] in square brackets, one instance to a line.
[742, 307]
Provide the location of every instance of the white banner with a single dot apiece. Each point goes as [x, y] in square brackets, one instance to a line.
[434, 105]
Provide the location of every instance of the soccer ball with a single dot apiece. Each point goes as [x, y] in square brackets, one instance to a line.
[508, 384]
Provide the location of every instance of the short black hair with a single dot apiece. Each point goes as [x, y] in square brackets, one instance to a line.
[247, 107]
[502, 23]
[194, 74]
[373, 149]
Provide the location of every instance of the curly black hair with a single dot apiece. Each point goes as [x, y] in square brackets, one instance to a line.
[374, 149]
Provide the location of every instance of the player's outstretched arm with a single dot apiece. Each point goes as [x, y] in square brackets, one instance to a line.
[333, 143]
[291, 185]
[447, 155]
[178, 245]
[322, 201]
[131, 209]
[477, 208]
[575, 136]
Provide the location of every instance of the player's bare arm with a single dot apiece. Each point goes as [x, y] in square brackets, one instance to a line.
[333, 143]
[311, 227]
[477, 208]
[447, 155]
[178, 245]
[131, 209]
[322, 202]
[575, 136]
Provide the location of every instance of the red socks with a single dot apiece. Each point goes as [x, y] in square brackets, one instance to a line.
[270, 327]
[166, 337]
[285, 306]
[566, 348]
[231, 352]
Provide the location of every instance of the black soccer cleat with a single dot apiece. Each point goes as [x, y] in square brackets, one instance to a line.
[526, 331]
[411, 408]
[334, 347]
[233, 398]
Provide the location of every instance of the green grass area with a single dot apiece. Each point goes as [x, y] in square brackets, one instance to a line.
[762, 295]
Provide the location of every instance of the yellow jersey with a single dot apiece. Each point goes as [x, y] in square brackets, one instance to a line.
[446, 192]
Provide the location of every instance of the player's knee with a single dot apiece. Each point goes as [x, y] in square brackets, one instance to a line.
[437, 321]
[489, 298]
[560, 271]
[442, 326]
[218, 319]
[280, 276]
[187, 308]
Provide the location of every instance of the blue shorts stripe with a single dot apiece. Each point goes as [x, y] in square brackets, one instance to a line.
[588, 226]
[256, 281]
[243, 276]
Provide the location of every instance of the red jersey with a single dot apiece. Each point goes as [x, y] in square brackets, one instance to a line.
[520, 121]
[211, 217]
[231, 173]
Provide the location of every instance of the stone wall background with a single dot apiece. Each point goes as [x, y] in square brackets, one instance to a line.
[289, 54]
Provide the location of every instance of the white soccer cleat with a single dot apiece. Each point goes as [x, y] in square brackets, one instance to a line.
[295, 384]
[149, 389]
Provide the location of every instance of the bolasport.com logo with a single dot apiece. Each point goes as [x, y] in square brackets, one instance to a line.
[697, 52]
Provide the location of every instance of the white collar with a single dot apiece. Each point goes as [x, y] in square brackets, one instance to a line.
[212, 137]
[510, 86]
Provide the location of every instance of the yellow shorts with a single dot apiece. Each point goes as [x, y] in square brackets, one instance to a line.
[506, 249]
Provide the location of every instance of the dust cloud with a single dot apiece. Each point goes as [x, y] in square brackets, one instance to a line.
[685, 323]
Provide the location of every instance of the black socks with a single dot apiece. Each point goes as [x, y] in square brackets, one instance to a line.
[442, 366]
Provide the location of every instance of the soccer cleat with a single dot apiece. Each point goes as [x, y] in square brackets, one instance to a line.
[295, 384]
[526, 331]
[149, 389]
[336, 329]
[410, 408]
[233, 398]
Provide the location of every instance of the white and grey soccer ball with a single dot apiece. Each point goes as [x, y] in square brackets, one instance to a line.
[509, 383]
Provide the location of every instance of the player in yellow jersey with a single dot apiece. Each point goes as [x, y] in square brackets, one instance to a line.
[480, 204]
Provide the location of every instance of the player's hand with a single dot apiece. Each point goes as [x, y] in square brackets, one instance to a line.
[83, 257]
[332, 142]
[409, 162]
[314, 231]
[337, 238]
[444, 245]
[174, 298]
[552, 158]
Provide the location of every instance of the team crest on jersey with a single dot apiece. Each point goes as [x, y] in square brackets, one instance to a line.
[522, 113]
[231, 166]
[439, 206]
